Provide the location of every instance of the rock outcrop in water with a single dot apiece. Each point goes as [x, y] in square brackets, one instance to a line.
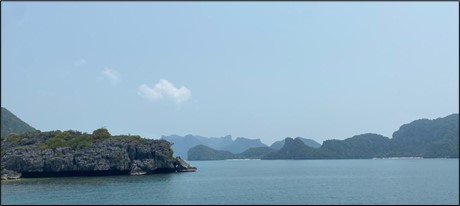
[72, 153]
[182, 166]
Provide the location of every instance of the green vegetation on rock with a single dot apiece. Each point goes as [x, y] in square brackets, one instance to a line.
[71, 153]
[101, 133]
[81, 141]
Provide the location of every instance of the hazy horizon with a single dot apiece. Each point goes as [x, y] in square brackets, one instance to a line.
[266, 70]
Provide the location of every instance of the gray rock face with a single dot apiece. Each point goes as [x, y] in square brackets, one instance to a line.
[182, 166]
[10, 175]
[103, 157]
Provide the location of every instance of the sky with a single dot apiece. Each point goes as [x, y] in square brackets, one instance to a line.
[267, 70]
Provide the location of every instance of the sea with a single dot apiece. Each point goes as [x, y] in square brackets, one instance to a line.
[366, 181]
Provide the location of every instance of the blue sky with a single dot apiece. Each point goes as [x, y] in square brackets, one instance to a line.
[268, 70]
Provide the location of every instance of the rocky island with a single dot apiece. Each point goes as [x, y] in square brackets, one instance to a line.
[422, 138]
[73, 153]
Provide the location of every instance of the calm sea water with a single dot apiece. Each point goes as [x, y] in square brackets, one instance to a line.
[378, 181]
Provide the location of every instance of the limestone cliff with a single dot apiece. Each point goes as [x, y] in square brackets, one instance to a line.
[71, 153]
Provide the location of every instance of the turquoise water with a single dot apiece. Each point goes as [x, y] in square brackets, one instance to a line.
[377, 181]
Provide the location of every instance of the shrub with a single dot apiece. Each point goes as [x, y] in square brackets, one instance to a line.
[13, 138]
[51, 133]
[33, 134]
[134, 136]
[42, 146]
[64, 135]
[81, 141]
[101, 133]
[55, 142]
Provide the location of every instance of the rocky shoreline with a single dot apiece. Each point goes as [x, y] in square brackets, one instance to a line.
[26, 156]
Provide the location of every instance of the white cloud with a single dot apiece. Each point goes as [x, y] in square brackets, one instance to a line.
[112, 75]
[164, 89]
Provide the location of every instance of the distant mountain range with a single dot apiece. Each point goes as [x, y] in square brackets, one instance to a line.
[12, 124]
[438, 138]
[241, 144]
[202, 152]
[182, 144]
[212, 148]
[309, 142]
[427, 138]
